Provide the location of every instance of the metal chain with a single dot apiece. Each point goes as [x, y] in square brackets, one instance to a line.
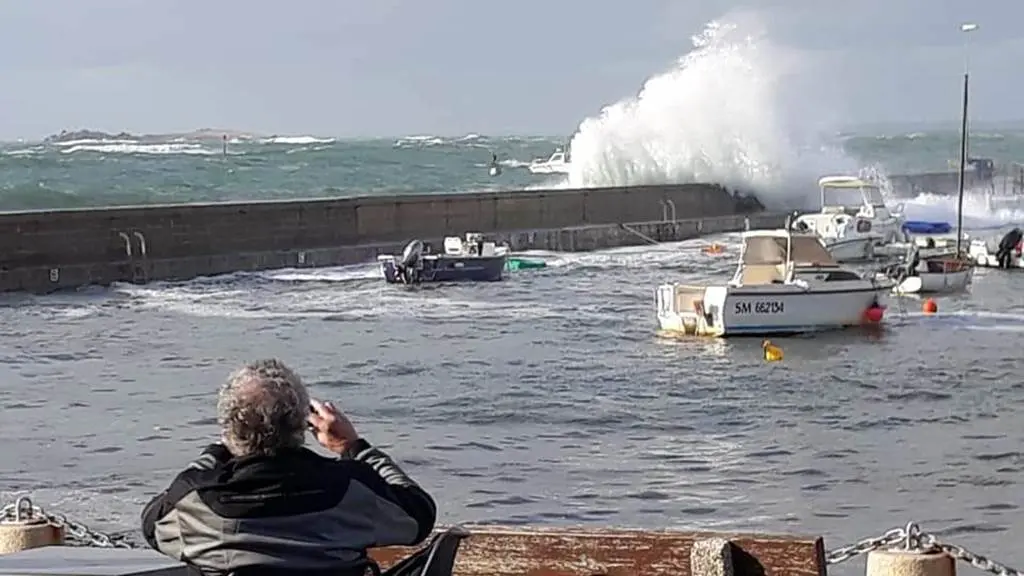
[930, 542]
[911, 538]
[76, 532]
[887, 540]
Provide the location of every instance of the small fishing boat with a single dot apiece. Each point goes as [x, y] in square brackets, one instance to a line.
[785, 282]
[999, 252]
[932, 274]
[951, 272]
[471, 259]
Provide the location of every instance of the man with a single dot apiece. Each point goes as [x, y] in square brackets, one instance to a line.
[1007, 247]
[260, 503]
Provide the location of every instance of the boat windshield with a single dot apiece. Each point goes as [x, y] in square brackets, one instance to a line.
[851, 196]
[807, 250]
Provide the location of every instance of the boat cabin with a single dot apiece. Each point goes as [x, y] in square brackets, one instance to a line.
[558, 157]
[773, 256]
[845, 193]
[473, 245]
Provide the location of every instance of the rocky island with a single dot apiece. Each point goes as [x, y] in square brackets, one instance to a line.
[195, 135]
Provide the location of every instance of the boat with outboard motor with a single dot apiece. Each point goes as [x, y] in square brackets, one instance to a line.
[472, 259]
[853, 218]
[557, 163]
[945, 272]
[917, 274]
[785, 282]
[999, 251]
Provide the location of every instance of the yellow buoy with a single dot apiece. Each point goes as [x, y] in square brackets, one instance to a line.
[772, 353]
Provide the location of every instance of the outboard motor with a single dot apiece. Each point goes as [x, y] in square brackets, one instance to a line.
[407, 266]
[901, 271]
[1007, 246]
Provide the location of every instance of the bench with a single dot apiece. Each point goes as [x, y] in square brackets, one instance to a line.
[521, 551]
[506, 551]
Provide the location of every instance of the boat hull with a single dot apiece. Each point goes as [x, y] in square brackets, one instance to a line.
[450, 269]
[984, 256]
[936, 282]
[765, 310]
[544, 168]
[852, 250]
[990, 261]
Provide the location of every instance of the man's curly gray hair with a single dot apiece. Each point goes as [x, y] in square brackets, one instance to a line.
[262, 409]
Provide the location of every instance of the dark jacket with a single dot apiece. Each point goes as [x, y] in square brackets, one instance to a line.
[297, 511]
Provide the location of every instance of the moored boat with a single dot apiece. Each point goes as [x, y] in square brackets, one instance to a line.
[471, 259]
[785, 282]
[853, 218]
[999, 252]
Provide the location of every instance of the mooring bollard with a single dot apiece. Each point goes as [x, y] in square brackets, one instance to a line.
[25, 530]
[711, 557]
[910, 563]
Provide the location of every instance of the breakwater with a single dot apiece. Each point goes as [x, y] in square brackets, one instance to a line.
[43, 251]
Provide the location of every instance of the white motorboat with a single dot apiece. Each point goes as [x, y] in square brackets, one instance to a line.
[785, 282]
[853, 218]
[987, 252]
[557, 163]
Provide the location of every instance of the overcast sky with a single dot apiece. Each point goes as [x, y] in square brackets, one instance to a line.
[393, 67]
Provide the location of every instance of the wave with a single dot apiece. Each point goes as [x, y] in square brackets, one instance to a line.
[980, 210]
[139, 148]
[731, 111]
[301, 140]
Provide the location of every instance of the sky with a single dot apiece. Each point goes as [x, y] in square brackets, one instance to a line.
[357, 68]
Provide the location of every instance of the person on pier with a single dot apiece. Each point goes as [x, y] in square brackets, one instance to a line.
[259, 502]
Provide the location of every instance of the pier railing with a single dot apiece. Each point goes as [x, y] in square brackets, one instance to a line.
[34, 541]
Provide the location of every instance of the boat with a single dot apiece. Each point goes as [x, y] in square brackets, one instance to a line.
[853, 218]
[948, 272]
[521, 263]
[786, 282]
[931, 239]
[987, 252]
[557, 163]
[472, 259]
[931, 274]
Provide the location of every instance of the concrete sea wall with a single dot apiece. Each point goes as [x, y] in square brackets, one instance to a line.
[50, 250]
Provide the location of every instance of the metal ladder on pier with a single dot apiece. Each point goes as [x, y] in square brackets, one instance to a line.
[138, 264]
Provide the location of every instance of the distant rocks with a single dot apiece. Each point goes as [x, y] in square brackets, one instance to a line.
[73, 135]
[195, 135]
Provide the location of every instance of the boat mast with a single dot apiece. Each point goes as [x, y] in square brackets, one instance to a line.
[963, 146]
[963, 162]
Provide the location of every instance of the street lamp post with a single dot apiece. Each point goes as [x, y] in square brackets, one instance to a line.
[970, 27]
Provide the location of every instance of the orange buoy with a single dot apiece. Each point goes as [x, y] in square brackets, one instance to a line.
[930, 307]
[873, 314]
[713, 249]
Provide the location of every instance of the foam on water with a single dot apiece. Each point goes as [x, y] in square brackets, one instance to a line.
[979, 211]
[732, 111]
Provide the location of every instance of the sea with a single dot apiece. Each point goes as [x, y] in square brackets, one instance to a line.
[546, 399]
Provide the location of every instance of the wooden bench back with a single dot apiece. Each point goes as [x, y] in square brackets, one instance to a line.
[510, 551]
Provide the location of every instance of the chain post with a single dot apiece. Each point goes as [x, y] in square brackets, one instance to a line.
[75, 532]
